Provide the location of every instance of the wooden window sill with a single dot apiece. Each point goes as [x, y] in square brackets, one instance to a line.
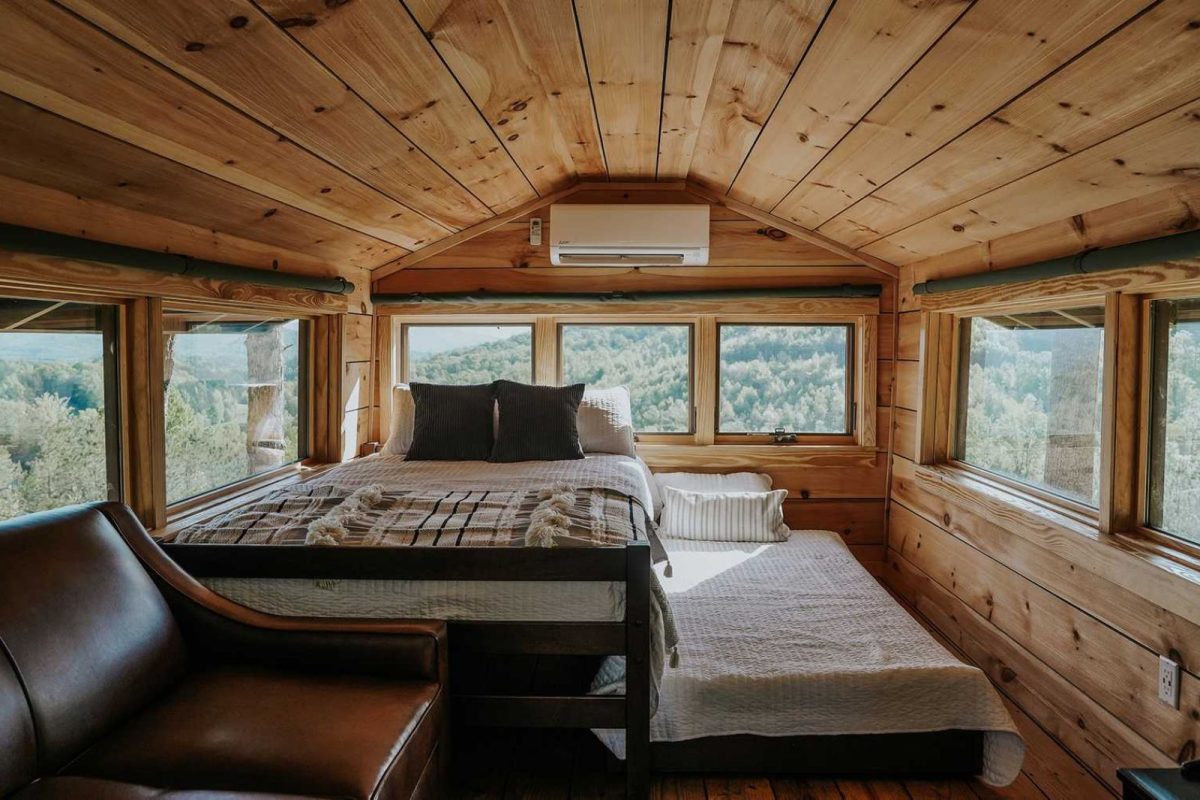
[755, 456]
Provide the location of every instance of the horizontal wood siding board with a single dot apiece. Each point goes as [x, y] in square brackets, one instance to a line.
[1066, 574]
[857, 521]
[961, 499]
[1100, 739]
[1118, 673]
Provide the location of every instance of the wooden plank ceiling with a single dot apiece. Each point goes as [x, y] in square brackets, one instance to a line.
[314, 134]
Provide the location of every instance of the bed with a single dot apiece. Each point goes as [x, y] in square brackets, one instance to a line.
[531, 558]
[792, 658]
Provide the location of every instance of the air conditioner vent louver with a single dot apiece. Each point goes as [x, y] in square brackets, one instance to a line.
[629, 235]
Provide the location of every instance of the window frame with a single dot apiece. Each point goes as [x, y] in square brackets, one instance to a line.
[306, 411]
[802, 437]
[112, 329]
[957, 419]
[403, 325]
[704, 317]
[648, 437]
[1142, 314]
[1126, 402]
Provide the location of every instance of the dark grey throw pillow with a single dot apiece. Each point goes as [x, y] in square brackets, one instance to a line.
[537, 423]
[451, 423]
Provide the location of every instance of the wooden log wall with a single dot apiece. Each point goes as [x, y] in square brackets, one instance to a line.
[1067, 622]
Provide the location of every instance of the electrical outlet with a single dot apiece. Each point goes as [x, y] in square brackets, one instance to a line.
[535, 231]
[1168, 681]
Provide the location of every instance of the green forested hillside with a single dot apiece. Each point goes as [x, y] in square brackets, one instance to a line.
[52, 439]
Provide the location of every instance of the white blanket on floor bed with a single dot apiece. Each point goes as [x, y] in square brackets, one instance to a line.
[796, 638]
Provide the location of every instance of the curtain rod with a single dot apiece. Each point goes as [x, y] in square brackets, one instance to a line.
[581, 298]
[1166, 248]
[32, 240]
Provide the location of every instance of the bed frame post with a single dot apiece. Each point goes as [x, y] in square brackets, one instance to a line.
[637, 670]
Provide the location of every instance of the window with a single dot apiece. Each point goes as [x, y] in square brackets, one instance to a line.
[654, 361]
[236, 397]
[59, 409]
[794, 377]
[1030, 399]
[1174, 491]
[469, 354]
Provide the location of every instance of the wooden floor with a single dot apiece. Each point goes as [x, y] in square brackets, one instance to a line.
[557, 765]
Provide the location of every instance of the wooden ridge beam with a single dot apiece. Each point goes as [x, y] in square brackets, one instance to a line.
[767, 218]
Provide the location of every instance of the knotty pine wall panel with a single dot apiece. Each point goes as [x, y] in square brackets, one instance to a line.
[1060, 620]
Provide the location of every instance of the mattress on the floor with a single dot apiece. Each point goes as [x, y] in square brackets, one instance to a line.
[796, 638]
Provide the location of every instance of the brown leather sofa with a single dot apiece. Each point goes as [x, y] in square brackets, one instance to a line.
[122, 677]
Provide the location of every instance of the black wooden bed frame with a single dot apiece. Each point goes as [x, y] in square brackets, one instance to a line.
[630, 637]
[942, 754]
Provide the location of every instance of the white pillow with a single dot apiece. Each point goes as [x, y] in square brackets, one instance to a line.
[605, 421]
[402, 421]
[716, 482]
[723, 516]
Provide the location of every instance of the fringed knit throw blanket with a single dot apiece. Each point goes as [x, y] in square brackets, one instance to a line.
[375, 516]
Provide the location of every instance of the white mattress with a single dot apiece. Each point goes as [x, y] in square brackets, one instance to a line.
[796, 638]
[530, 601]
[485, 601]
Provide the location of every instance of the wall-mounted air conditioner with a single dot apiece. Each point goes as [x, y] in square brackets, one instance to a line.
[628, 235]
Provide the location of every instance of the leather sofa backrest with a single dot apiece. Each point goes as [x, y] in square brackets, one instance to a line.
[88, 633]
[18, 757]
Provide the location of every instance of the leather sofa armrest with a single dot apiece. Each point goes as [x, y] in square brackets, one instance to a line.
[217, 629]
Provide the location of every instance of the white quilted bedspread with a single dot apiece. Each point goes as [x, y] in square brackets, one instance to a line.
[797, 638]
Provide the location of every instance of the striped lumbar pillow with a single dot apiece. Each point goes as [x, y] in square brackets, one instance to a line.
[722, 517]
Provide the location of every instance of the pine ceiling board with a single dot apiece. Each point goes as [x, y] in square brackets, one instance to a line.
[996, 50]
[482, 46]
[732, 244]
[49, 209]
[41, 148]
[1141, 71]
[53, 59]
[236, 52]
[1156, 155]
[697, 33]
[862, 50]
[381, 53]
[652, 196]
[549, 39]
[624, 43]
[1164, 213]
[617, 279]
[763, 44]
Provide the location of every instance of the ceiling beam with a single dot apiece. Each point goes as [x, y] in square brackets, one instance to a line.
[767, 218]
